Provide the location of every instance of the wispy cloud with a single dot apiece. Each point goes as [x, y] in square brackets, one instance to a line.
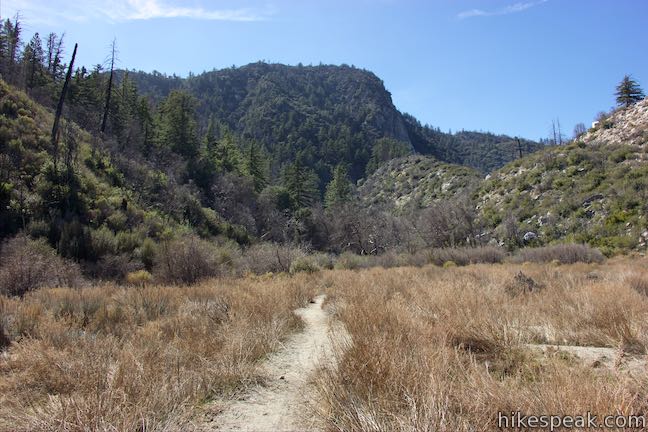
[126, 10]
[511, 9]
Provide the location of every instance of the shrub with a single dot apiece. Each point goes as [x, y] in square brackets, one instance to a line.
[449, 264]
[114, 267]
[31, 264]
[522, 284]
[103, 242]
[564, 254]
[466, 255]
[351, 261]
[147, 253]
[138, 278]
[271, 258]
[306, 264]
[187, 260]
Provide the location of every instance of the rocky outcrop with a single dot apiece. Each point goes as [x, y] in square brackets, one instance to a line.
[623, 126]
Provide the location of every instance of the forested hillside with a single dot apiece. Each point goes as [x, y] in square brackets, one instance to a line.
[329, 115]
[480, 150]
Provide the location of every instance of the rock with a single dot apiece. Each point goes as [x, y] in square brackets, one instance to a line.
[593, 198]
[529, 236]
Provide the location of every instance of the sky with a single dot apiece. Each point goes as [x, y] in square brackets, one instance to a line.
[500, 66]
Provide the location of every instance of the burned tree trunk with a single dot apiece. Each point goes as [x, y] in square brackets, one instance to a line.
[109, 91]
[59, 107]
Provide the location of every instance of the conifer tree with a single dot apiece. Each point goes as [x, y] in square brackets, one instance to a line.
[33, 58]
[628, 92]
[178, 124]
[227, 153]
[255, 166]
[338, 191]
[301, 183]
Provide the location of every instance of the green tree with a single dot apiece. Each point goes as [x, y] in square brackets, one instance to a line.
[10, 43]
[628, 92]
[33, 58]
[338, 191]
[178, 124]
[384, 150]
[227, 154]
[255, 166]
[301, 183]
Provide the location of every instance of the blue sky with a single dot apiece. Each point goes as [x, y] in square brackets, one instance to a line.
[501, 66]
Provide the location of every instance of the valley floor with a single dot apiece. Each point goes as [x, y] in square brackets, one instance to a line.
[431, 348]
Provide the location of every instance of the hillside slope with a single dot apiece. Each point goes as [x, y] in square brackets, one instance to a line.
[594, 190]
[83, 204]
[416, 182]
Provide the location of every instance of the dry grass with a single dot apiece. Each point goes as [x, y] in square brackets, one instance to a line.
[129, 359]
[429, 349]
[436, 349]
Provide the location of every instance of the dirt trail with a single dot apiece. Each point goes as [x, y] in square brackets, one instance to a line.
[281, 404]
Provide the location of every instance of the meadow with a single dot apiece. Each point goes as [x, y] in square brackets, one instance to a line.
[424, 348]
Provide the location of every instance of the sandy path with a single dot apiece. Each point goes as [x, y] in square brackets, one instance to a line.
[281, 405]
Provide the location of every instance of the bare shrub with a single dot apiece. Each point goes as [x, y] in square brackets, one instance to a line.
[448, 223]
[564, 254]
[31, 264]
[189, 259]
[467, 255]
[114, 267]
[522, 284]
[271, 258]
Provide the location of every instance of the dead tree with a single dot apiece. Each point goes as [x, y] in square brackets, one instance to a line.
[110, 83]
[59, 107]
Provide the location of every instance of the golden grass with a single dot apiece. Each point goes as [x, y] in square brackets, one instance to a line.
[128, 359]
[437, 349]
[430, 349]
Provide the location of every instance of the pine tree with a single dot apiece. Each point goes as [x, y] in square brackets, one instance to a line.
[628, 92]
[10, 48]
[338, 191]
[178, 124]
[255, 166]
[33, 58]
[227, 154]
[301, 183]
